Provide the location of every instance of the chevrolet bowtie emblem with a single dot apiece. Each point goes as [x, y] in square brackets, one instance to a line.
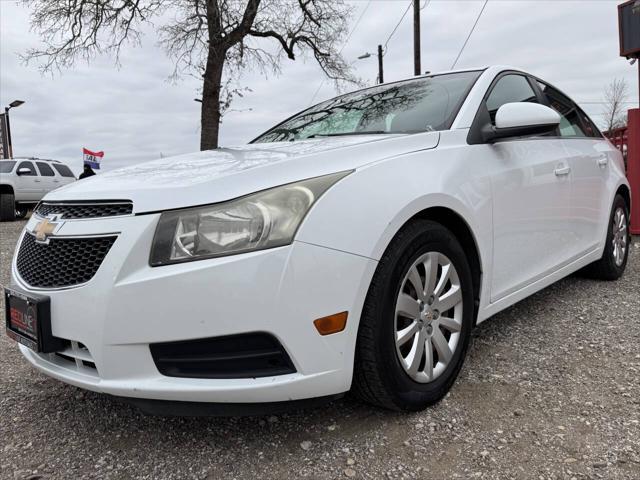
[45, 228]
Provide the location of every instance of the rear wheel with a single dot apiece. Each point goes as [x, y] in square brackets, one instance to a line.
[416, 322]
[616, 250]
[7, 207]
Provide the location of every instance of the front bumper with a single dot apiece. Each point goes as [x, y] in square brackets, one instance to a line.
[128, 305]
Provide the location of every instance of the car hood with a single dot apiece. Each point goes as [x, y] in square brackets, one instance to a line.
[217, 175]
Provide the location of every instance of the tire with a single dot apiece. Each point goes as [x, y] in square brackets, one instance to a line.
[21, 211]
[616, 250]
[381, 373]
[7, 207]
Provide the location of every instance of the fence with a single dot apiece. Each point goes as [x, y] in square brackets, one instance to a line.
[620, 138]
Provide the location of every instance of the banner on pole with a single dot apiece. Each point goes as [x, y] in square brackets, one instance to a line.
[92, 159]
[4, 138]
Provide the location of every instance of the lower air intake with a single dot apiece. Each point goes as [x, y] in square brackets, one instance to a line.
[248, 355]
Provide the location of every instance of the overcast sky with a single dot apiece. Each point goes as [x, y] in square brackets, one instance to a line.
[134, 113]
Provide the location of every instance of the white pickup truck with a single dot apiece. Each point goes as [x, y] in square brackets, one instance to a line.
[24, 181]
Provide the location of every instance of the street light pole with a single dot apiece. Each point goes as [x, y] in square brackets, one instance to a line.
[380, 62]
[15, 103]
[6, 122]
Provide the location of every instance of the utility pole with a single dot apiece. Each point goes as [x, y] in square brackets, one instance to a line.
[380, 65]
[417, 69]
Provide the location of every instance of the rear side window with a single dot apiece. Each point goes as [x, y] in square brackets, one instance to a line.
[63, 170]
[45, 169]
[6, 167]
[30, 166]
[570, 124]
[509, 89]
[589, 126]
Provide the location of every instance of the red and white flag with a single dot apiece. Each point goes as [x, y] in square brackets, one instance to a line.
[92, 159]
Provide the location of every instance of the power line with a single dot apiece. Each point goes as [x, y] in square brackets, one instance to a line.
[469, 36]
[605, 103]
[342, 48]
[397, 25]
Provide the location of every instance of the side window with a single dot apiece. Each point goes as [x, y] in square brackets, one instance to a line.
[570, 124]
[509, 89]
[45, 169]
[589, 126]
[30, 166]
[63, 170]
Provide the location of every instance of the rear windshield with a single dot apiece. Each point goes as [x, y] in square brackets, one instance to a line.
[6, 166]
[63, 170]
[421, 105]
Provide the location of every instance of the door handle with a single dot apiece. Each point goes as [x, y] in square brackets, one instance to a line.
[560, 171]
[603, 161]
[37, 181]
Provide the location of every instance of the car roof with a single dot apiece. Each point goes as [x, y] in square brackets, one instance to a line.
[490, 69]
[34, 159]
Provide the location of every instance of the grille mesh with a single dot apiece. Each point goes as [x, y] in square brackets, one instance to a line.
[64, 262]
[70, 211]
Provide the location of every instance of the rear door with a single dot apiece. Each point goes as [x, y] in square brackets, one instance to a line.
[589, 155]
[29, 184]
[531, 183]
[47, 177]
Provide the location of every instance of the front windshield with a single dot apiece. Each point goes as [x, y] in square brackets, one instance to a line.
[421, 105]
[6, 166]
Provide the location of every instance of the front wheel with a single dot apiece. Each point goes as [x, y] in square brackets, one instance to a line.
[7, 207]
[416, 321]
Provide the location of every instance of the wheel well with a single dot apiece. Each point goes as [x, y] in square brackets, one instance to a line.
[459, 227]
[6, 189]
[624, 191]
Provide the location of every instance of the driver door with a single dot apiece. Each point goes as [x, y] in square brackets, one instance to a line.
[531, 184]
[28, 185]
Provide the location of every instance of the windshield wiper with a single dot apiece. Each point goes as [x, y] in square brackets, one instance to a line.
[341, 134]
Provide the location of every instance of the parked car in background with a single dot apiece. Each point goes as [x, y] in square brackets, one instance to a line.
[24, 181]
[354, 246]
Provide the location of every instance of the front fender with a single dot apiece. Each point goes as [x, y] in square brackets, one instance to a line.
[363, 212]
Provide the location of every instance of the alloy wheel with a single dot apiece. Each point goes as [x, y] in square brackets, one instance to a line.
[620, 236]
[428, 317]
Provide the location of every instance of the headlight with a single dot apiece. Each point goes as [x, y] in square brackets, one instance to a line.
[265, 219]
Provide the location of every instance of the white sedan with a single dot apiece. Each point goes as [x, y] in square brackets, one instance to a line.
[354, 246]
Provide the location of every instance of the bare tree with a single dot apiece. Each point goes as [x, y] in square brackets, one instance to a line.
[615, 96]
[215, 40]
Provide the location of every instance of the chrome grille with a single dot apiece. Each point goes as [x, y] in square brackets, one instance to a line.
[63, 262]
[73, 210]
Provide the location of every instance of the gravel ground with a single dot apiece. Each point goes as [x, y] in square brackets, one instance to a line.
[550, 390]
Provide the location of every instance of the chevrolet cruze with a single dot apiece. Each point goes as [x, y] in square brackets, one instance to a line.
[353, 246]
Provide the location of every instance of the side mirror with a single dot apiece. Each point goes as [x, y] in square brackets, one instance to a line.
[24, 171]
[520, 120]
